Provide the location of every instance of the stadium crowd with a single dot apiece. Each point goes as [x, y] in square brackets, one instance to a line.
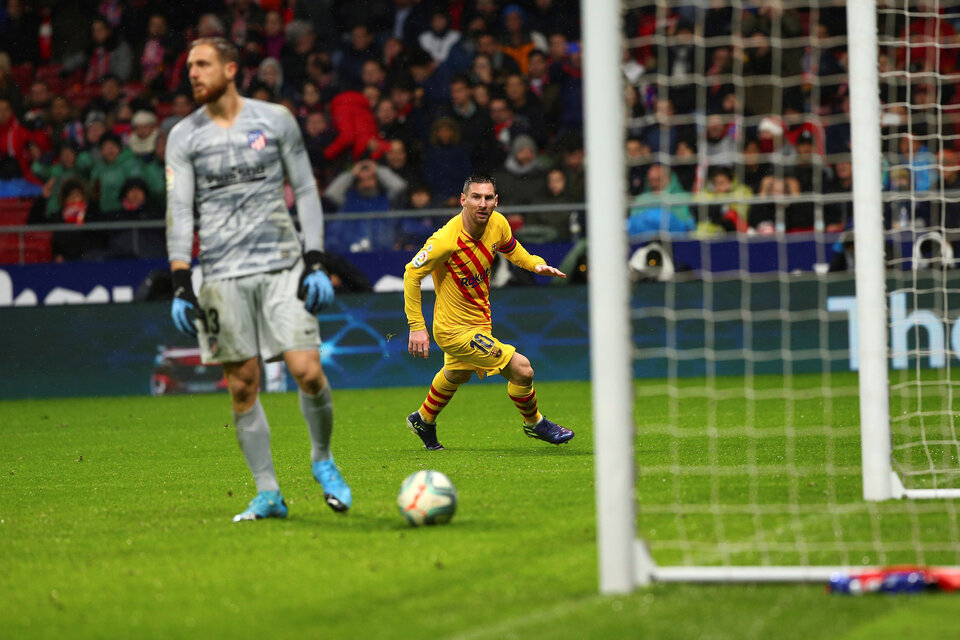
[398, 100]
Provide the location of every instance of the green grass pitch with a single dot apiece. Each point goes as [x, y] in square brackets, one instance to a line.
[115, 523]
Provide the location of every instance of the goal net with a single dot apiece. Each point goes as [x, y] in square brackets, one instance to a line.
[791, 371]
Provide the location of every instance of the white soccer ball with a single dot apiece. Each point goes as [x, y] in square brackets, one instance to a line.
[427, 497]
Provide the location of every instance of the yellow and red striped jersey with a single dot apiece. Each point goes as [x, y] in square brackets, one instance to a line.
[460, 265]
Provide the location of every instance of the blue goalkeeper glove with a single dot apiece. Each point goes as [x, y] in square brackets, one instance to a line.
[185, 310]
[315, 288]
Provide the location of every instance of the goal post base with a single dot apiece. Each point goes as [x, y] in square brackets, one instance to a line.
[647, 572]
[899, 491]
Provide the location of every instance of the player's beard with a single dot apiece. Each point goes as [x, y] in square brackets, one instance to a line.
[210, 92]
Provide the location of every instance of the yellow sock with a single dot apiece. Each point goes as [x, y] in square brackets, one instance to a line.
[441, 391]
[525, 398]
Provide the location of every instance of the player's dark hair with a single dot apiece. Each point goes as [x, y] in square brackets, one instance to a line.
[479, 178]
[226, 50]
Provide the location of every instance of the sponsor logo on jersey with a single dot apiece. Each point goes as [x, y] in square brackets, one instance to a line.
[420, 258]
[214, 345]
[475, 280]
[256, 139]
[493, 247]
[168, 173]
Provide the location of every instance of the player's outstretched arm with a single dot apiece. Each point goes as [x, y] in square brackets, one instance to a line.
[419, 343]
[547, 270]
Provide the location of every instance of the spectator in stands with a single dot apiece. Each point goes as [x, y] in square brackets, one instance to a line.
[446, 162]
[364, 188]
[501, 64]
[638, 162]
[568, 76]
[19, 35]
[349, 58]
[439, 40]
[414, 231]
[506, 128]
[243, 21]
[721, 147]
[158, 53]
[915, 154]
[519, 41]
[650, 214]
[180, 106]
[732, 213]
[71, 164]
[686, 164]
[274, 37]
[570, 147]
[527, 105]
[475, 123]
[808, 170]
[548, 16]
[317, 136]
[94, 128]
[78, 208]
[397, 159]
[143, 138]
[15, 155]
[522, 179]
[681, 56]
[552, 226]
[410, 19]
[116, 165]
[110, 97]
[37, 104]
[481, 72]
[946, 212]
[108, 53]
[356, 128]
[838, 216]
[753, 168]
[8, 84]
[902, 213]
[769, 217]
[135, 206]
[63, 123]
[270, 75]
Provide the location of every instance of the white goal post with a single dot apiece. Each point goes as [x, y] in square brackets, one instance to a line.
[624, 561]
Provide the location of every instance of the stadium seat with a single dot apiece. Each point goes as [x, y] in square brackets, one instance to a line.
[36, 247]
[14, 211]
[81, 95]
[50, 73]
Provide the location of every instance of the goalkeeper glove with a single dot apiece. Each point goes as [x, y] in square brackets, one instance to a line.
[185, 310]
[315, 288]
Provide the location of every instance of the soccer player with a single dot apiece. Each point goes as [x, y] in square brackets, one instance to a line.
[228, 159]
[460, 255]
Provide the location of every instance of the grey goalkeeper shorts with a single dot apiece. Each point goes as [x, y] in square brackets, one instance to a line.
[253, 315]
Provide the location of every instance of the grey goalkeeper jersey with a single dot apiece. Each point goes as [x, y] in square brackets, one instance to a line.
[235, 178]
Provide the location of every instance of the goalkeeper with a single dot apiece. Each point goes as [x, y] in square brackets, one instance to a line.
[459, 256]
[228, 160]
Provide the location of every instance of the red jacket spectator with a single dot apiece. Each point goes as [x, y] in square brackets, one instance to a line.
[14, 139]
[356, 127]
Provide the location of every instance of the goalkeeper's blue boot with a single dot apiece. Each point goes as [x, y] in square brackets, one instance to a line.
[548, 431]
[267, 504]
[427, 431]
[336, 491]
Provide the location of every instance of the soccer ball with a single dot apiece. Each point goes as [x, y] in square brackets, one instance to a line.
[427, 497]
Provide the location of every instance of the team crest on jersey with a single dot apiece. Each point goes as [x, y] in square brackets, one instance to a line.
[256, 139]
[420, 259]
